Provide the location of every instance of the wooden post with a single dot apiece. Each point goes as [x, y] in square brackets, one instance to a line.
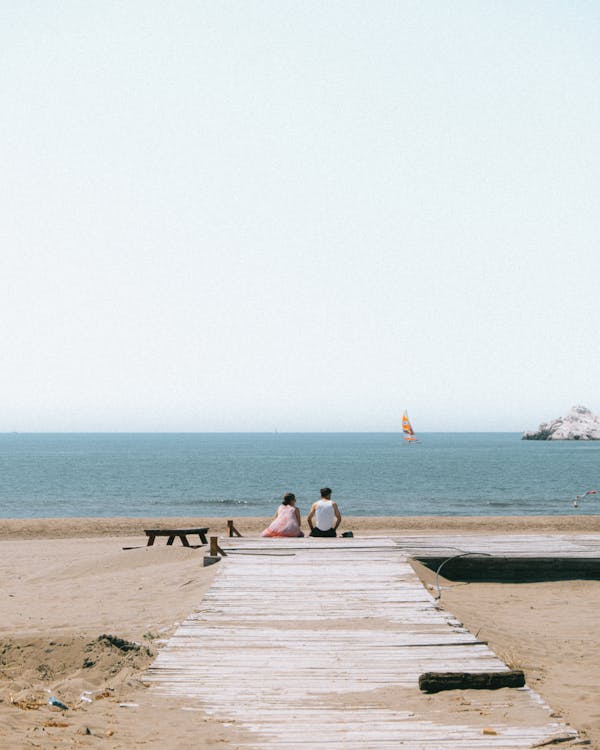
[232, 530]
[215, 550]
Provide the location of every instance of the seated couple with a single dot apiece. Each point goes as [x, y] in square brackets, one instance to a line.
[323, 519]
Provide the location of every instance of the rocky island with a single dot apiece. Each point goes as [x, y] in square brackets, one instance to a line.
[578, 424]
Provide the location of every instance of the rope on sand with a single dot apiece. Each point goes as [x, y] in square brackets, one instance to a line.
[454, 557]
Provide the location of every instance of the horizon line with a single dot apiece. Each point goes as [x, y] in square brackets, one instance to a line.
[252, 432]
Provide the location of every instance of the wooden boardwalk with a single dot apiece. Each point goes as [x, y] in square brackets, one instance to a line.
[505, 545]
[319, 644]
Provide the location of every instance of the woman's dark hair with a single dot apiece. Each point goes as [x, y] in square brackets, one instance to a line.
[288, 498]
[325, 492]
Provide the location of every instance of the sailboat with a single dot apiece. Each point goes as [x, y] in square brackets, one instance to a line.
[409, 433]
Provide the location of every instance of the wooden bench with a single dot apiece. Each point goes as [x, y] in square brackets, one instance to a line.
[172, 533]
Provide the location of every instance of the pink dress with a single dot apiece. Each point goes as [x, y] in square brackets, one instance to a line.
[285, 524]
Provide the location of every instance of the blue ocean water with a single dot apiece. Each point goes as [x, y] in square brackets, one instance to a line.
[244, 474]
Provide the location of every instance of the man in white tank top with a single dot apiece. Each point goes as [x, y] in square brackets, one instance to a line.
[324, 516]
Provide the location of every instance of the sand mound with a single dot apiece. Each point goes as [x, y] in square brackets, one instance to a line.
[74, 670]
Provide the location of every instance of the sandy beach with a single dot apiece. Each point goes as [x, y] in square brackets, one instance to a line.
[82, 618]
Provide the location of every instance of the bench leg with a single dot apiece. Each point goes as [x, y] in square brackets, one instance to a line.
[184, 540]
[150, 541]
[202, 536]
[170, 540]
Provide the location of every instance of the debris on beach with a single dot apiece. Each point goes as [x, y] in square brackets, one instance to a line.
[53, 701]
[120, 643]
[27, 702]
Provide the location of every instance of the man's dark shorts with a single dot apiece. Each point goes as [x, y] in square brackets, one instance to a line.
[318, 532]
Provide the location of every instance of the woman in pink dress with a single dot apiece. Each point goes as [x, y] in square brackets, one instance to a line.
[287, 519]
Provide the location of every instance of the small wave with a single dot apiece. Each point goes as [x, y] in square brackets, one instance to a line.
[223, 501]
[184, 502]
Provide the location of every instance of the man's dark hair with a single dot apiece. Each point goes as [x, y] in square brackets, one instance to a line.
[325, 492]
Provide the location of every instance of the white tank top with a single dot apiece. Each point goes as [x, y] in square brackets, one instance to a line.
[324, 515]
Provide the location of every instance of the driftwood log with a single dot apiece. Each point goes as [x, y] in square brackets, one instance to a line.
[433, 682]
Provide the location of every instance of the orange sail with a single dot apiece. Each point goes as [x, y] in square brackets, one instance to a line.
[409, 433]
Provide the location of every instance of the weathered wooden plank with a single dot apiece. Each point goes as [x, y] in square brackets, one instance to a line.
[518, 545]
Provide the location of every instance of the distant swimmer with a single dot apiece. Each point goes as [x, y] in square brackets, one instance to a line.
[324, 516]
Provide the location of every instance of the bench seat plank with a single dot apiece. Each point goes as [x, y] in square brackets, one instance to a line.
[172, 533]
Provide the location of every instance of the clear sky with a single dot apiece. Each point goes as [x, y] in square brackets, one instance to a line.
[303, 216]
